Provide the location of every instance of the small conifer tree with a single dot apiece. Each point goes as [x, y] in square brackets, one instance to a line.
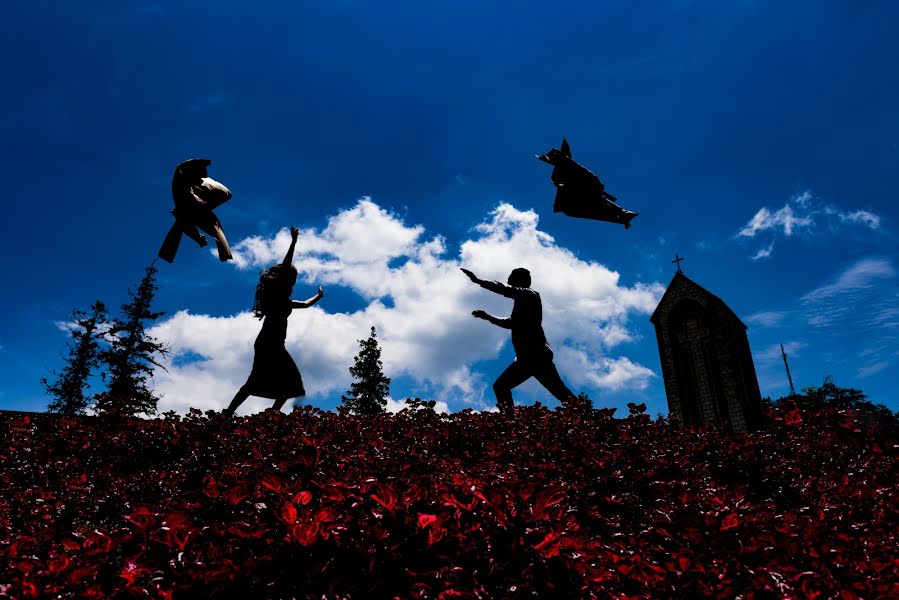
[368, 395]
[68, 390]
[132, 354]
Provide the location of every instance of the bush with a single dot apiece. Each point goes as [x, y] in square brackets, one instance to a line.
[564, 503]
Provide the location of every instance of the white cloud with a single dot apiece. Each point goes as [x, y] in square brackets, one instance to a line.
[861, 275]
[770, 368]
[872, 369]
[861, 217]
[764, 252]
[784, 218]
[772, 355]
[804, 198]
[420, 304]
[395, 406]
[802, 212]
[606, 373]
[766, 319]
[863, 298]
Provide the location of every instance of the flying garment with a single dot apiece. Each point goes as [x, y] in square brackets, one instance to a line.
[196, 195]
[580, 193]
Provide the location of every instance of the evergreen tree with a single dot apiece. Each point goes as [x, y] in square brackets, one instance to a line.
[132, 354]
[84, 351]
[368, 395]
[829, 394]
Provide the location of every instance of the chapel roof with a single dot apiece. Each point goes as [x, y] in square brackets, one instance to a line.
[680, 281]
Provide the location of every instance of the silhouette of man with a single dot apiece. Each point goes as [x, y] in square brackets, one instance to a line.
[533, 356]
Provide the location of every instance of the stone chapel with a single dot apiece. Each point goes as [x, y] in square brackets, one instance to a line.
[706, 362]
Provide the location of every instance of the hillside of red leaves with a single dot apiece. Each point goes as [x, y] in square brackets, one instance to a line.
[564, 503]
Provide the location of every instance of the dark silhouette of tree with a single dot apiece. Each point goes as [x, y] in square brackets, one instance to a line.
[831, 395]
[368, 395]
[84, 352]
[131, 355]
[583, 401]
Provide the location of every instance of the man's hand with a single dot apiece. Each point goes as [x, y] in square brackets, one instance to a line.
[480, 314]
[321, 294]
[471, 275]
[294, 233]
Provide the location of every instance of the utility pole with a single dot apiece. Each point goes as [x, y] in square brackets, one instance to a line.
[789, 377]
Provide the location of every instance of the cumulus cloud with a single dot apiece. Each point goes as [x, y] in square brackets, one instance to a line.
[802, 213]
[420, 304]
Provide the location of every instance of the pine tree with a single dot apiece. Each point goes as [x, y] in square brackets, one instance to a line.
[84, 351]
[368, 395]
[132, 354]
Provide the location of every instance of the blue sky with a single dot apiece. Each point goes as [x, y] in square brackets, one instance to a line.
[758, 140]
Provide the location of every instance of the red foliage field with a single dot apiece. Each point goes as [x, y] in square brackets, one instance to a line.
[564, 503]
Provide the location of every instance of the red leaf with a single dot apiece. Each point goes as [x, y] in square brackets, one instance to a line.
[179, 537]
[384, 495]
[73, 541]
[132, 572]
[326, 514]
[237, 494]
[305, 534]
[289, 513]
[546, 499]
[426, 520]
[730, 521]
[271, 482]
[79, 575]
[58, 564]
[26, 564]
[303, 498]
[210, 487]
[308, 454]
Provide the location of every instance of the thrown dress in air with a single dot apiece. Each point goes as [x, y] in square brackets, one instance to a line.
[275, 375]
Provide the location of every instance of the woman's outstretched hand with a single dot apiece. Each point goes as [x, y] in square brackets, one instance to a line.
[480, 314]
[321, 294]
[294, 233]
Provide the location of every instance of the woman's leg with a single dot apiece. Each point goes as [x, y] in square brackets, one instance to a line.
[239, 397]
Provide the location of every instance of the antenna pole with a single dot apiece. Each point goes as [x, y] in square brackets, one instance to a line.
[789, 377]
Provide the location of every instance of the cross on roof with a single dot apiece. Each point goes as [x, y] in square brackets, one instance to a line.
[677, 260]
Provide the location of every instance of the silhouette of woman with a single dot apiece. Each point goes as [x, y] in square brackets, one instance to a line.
[275, 374]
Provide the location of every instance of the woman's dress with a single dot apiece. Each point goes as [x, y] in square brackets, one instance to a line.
[275, 375]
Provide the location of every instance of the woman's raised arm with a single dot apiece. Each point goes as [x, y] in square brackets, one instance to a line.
[288, 258]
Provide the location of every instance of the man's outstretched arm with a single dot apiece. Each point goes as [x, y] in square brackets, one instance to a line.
[504, 323]
[494, 286]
